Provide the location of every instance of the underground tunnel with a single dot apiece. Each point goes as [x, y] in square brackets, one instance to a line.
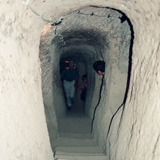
[31, 97]
[85, 36]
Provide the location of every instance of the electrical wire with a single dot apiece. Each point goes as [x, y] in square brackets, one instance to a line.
[60, 37]
[37, 14]
[57, 22]
[100, 92]
[128, 78]
[123, 18]
[93, 14]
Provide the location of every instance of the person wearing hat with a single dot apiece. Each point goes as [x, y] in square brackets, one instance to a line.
[69, 78]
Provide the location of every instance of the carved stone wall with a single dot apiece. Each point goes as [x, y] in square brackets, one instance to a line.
[132, 132]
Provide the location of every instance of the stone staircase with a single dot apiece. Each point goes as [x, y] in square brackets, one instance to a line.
[75, 141]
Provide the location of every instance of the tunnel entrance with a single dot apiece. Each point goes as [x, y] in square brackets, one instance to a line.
[86, 36]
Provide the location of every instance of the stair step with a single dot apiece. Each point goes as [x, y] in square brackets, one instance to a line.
[61, 141]
[88, 149]
[75, 141]
[76, 135]
[76, 125]
[81, 157]
[78, 154]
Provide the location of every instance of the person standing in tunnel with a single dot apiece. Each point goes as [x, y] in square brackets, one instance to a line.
[83, 87]
[99, 67]
[70, 78]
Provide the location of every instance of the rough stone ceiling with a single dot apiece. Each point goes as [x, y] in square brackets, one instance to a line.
[88, 30]
[89, 26]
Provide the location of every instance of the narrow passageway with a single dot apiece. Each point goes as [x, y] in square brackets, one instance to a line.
[80, 39]
[34, 121]
[75, 140]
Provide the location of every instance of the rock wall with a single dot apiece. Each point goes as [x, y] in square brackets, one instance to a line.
[135, 128]
[23, 130]
[134, 132]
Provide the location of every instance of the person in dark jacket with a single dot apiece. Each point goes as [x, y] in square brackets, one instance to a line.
[69, 78]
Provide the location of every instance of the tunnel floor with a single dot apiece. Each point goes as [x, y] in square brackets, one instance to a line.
[77, 110]
[75, 140]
